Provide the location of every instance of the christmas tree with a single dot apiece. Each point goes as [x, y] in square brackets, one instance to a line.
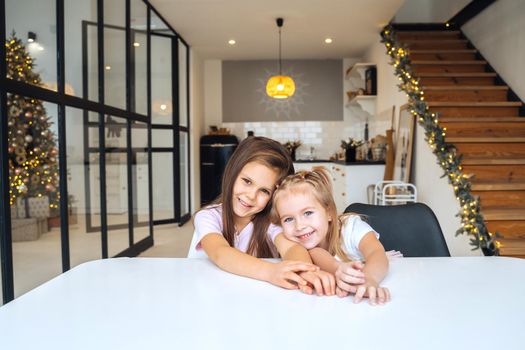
[33, 166]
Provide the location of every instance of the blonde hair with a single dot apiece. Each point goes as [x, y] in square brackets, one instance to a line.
[318, 180]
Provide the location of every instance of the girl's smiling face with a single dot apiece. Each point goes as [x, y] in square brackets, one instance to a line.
[252, 191]
[303, 219]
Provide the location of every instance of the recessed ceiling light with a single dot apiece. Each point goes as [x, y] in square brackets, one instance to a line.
[328, 40]
[136, 44]
[108, 67]
[231, 42]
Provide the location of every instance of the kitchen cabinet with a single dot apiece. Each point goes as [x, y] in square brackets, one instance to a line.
[350, 181]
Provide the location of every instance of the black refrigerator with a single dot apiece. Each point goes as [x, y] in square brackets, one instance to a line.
[215, 152]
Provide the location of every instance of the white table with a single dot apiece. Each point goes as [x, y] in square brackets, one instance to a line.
[151, 303]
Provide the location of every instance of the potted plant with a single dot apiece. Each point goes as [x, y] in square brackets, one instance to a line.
[349, 146]
[291, 146]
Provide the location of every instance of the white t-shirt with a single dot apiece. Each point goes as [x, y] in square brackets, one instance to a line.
[209, 220]
[354, 229]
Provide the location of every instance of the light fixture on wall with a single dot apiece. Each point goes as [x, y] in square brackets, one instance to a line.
[280, 86]
[31, 37]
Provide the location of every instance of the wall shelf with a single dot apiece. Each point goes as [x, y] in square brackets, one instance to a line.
[358, 71]
[366, 102]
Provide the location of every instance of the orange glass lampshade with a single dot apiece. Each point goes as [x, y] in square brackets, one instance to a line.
[280, 86]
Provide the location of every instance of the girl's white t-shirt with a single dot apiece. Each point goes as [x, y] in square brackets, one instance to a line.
[353, 230]
[209, 220]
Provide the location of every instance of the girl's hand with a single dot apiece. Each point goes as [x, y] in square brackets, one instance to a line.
[348, 275]
[285, 274]
[394, 254]
[375, 293]
[321, 281]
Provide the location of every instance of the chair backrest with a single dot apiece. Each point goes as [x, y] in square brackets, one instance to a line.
[412, 228]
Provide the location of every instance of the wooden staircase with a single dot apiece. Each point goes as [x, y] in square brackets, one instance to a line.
[481, 121]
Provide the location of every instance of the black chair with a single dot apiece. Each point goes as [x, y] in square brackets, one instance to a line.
[412, 228]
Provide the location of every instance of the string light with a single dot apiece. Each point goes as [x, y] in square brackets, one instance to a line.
[472, 222]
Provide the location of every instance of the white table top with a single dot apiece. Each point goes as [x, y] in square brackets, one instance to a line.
[152, 303]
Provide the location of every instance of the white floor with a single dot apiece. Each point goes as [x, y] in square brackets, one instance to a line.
[38, 261]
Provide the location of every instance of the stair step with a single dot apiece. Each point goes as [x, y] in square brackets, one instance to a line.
[474, 119]
[449, 62]
[465, 87]
[466, 93]
[423, 66]
[493, 161]
[507, 228]
[493, 214]
[436, 44]
[492, 153]
[501, 198]
[445, 55]
[481, 109]
[428, 34]
[475, 104]
[514, 247]
[489, 139]
[495, 186]
[486, 173]
[472, 78]
[497, 129]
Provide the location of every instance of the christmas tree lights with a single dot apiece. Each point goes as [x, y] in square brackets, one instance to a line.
[472, 222]
[32, 151]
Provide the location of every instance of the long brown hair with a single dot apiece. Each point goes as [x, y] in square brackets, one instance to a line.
[264, 151]
[318, 181]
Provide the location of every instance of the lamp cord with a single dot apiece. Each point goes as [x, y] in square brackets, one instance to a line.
[280, 71]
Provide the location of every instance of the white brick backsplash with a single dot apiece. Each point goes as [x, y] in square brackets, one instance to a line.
[325, 137]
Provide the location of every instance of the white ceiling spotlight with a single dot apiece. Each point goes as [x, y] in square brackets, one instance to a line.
[232, 42]
[328, 40]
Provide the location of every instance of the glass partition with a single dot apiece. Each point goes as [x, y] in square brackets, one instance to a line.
[33, 174]
[34, 24]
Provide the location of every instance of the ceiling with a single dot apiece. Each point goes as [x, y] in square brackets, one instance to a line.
[207, 25]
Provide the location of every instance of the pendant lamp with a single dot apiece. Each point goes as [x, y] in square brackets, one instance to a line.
[280, 86]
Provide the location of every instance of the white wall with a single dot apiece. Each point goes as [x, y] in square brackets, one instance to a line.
[213, 94]
[433, 190]
[197, 110]
[429, 11]
[499, 34]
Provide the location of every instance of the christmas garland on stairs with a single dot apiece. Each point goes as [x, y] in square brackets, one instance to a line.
[472, 222]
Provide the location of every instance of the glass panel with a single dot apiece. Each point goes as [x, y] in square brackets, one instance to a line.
[158, 25]
[140, 185]
[115, 67]
[34, 27]
[33, 170]
[93, 127]
[161, 80]
[163, 199]
[162, 138]
[80, 37]
[117, 185]
[84, 242]
[139, 56]
[116, 171]
[115, 53]
[139, 135]
[183, 91]
[184, 178]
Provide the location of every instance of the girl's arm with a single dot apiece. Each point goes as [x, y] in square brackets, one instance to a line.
[283, 274]
[375, 269]
[320, 281]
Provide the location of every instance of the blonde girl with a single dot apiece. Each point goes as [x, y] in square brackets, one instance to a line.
[345, 246]
[235, 230]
